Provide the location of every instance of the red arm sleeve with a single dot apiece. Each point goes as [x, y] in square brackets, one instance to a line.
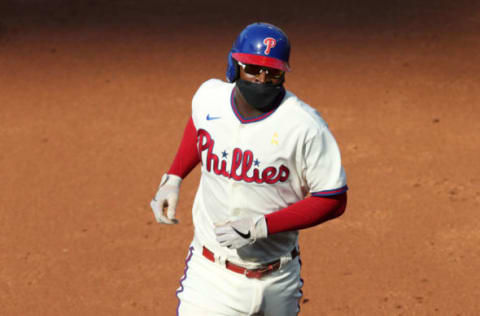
[187, 156]
[306, 213]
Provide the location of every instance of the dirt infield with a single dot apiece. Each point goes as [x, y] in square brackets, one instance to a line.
[94, 96]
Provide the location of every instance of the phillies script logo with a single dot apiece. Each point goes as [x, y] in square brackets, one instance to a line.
[271, 43]
[240, 163]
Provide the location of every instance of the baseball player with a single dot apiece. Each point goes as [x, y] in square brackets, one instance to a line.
[269, 167]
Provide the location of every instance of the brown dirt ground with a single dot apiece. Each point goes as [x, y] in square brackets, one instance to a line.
[94, 96]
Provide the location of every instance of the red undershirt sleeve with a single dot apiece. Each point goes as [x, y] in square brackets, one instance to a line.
[187, 156]
[306, 213]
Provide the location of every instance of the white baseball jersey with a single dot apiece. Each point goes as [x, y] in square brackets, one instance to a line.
[258, 166]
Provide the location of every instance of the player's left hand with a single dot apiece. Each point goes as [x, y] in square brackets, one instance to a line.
[241, 232]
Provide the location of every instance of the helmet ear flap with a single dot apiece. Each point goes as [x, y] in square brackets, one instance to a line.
[232, 69]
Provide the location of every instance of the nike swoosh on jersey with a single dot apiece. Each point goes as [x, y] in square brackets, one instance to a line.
[246, 236]
[209, 118]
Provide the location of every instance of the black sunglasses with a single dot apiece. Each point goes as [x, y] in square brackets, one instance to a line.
[255, 70]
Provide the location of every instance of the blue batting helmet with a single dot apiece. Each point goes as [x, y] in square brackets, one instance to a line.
[259, 44]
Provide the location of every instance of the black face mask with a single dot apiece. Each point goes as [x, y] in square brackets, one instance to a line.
[262, 96]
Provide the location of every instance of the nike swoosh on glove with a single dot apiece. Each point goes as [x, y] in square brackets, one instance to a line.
[166, 196]
[239, 233]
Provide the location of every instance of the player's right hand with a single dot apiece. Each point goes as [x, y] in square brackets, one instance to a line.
[166, 197]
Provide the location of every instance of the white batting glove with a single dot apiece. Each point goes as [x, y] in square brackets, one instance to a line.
[242, 232]
[166, 196]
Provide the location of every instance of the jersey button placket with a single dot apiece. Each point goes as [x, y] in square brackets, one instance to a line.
[233, 187]
[238, 193]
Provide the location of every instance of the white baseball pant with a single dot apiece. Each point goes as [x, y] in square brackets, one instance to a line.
[209, 289]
